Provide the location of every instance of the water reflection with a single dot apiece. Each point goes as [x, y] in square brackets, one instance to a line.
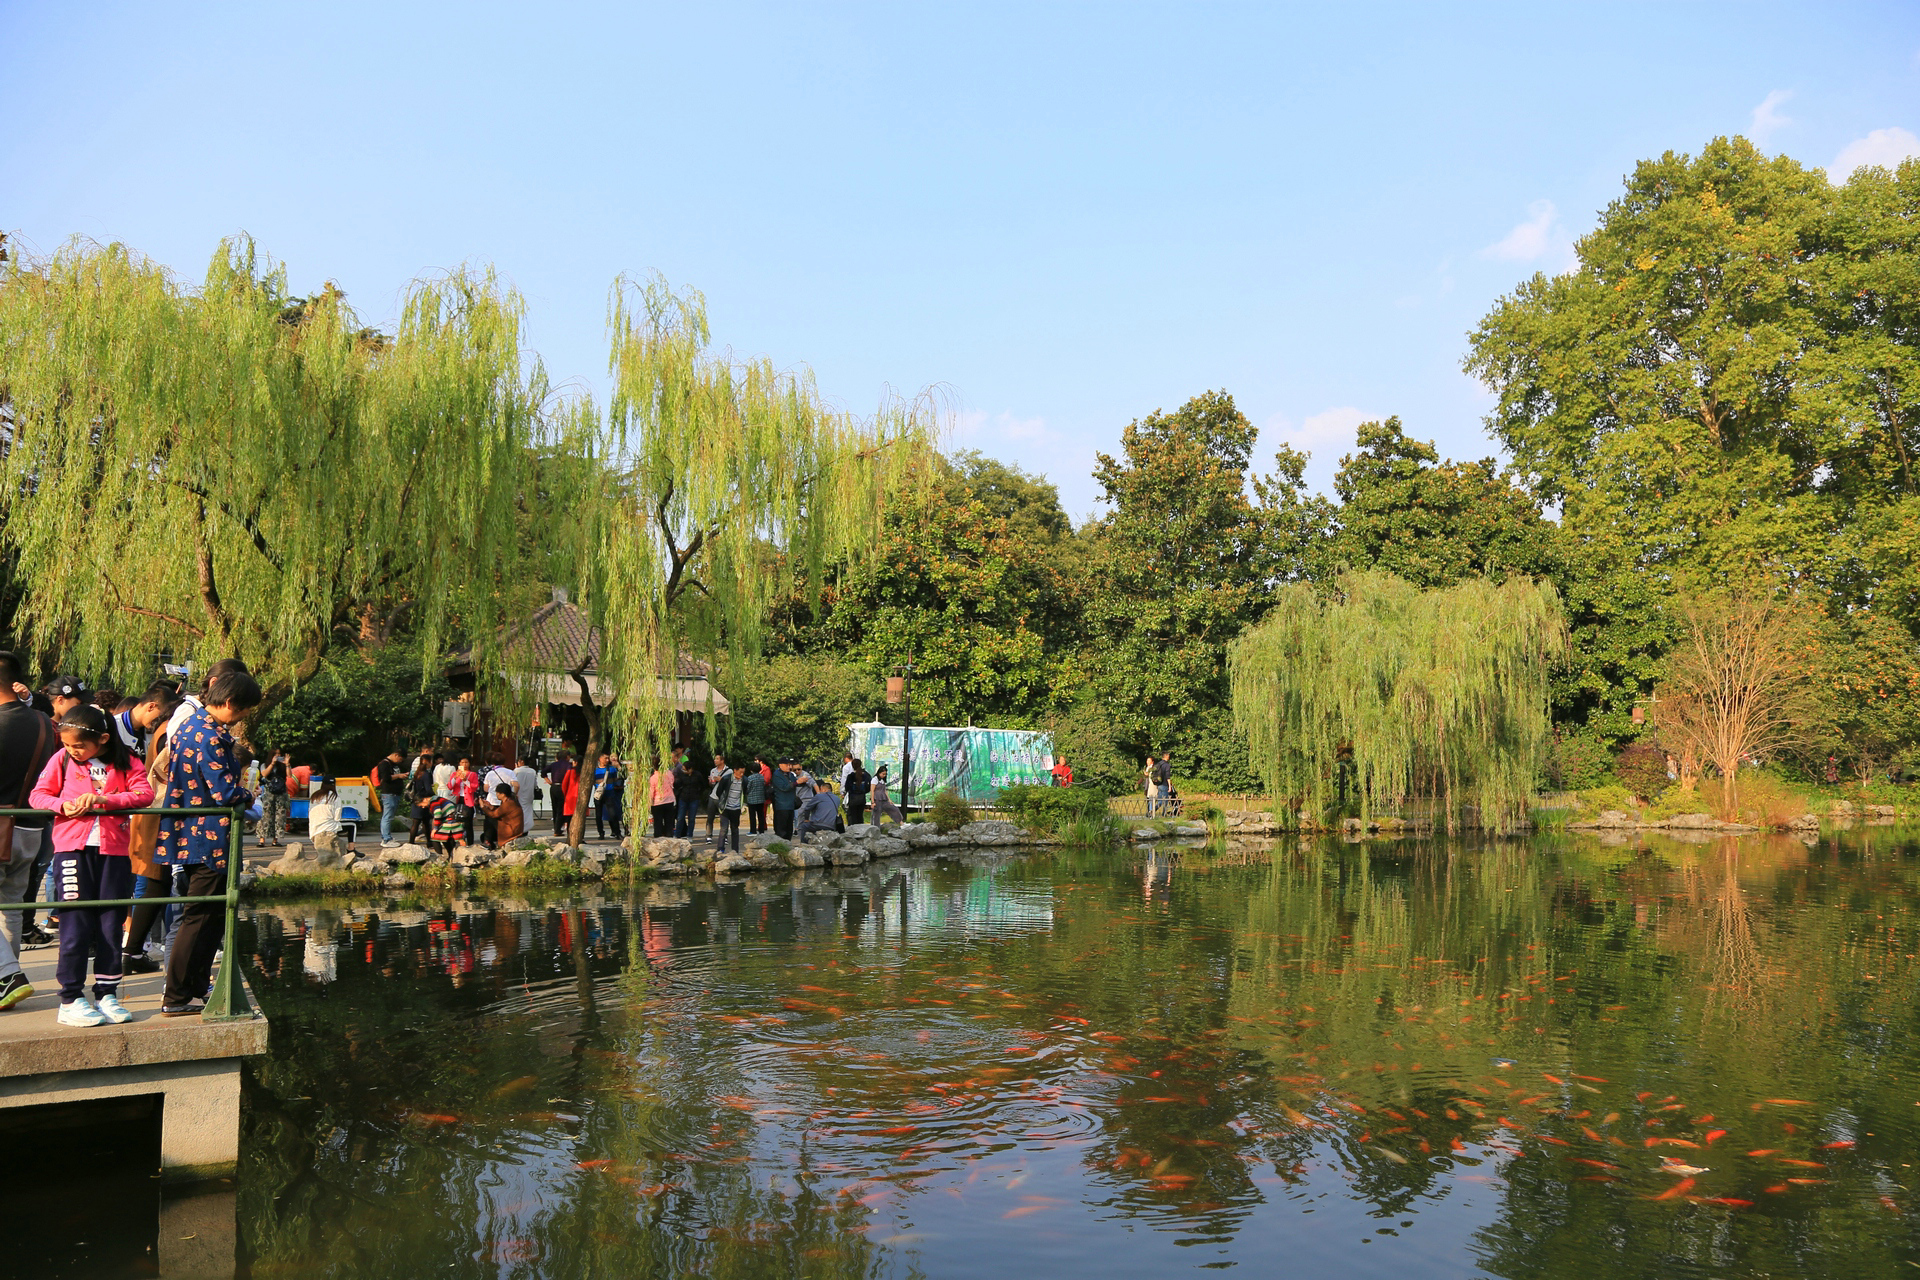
[1428, 1058]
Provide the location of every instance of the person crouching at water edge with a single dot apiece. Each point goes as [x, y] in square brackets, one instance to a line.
[203, 776]
[88, 784]
[821, 812]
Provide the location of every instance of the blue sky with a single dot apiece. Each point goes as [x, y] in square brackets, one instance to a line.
[1065, 216]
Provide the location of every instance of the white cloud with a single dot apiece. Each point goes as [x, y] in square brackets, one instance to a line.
[1766, 118]
[1530, 239]
[1324, 432]
[1884, 147]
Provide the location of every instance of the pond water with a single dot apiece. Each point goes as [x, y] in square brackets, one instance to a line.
[1410, 1059]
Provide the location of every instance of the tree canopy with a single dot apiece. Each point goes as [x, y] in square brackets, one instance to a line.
[229, 470]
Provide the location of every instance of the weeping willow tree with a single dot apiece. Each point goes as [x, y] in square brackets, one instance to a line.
[233, 471]
[709, 483]
[1417, 695]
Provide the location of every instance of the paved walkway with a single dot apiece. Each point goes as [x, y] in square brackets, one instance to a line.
[33, 1041]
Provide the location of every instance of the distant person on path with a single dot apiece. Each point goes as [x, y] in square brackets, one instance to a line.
[1159, 782]
[526, 789]
[727, 793]
[390, 781]
[504, 821]
[465, 786]
[557, 780]
[498, 775]
[660, 800]
[882, 802]
[27, 742]
[785, 799]
[420, 791]
[686, 798]
[821, 812]
[325, 826]
[87, 783]
[753, 796]
[712, 806]
[203, 776]
[443, 776]
[1062, 772]
[847, 765]
[569, 799]
[610, 796]
[274, 785]
[856, 787]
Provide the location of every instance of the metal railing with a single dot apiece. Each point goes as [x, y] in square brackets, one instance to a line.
[227, 1002]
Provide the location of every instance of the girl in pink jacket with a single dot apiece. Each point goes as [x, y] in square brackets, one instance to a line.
[88, 784]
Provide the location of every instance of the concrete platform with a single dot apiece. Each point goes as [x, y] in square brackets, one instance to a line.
[193, 1065]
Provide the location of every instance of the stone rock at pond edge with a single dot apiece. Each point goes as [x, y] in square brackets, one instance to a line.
[887, 847]
[592, 868]
[1693, 821]
[924, 835]
[763, 858]
[668, 849]
[991, 831]
[732, 864]
[366, 867]
[406, 854]
[473, 856]
[804, 857]
[1805, 822]
[397, 881]
[862, 831]
[846, 854]
[1609, 818]
[825, 839]
[518, 858]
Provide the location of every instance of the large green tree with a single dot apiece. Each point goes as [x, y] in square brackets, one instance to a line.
[1187, 555]
[1722, 391]
[970, 580]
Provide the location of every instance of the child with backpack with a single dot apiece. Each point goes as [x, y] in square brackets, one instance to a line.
[88, 784]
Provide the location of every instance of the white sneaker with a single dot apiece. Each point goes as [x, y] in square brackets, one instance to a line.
[81, 1013]
[110, 1007]
[389, 844]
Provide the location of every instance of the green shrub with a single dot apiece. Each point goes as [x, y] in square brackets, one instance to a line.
[1577, 762]
[949, 812]
[1642, 769]
[1050, 809]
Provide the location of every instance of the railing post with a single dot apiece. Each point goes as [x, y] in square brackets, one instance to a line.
[227, 1002]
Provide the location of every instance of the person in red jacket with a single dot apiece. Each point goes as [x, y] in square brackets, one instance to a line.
[87, 784]
[570, 794]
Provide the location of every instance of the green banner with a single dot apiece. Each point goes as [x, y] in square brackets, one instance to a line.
[975, 763]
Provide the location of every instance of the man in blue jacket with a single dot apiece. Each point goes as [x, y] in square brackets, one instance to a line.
[784, 800]
[821, 812]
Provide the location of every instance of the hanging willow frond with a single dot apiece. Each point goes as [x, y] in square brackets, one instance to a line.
[229, 470]
[1428, 695]
[713, 481]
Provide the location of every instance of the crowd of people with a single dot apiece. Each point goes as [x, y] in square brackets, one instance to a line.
[91, 759]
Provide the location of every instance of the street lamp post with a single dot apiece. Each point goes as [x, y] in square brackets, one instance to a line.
[900, 694]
